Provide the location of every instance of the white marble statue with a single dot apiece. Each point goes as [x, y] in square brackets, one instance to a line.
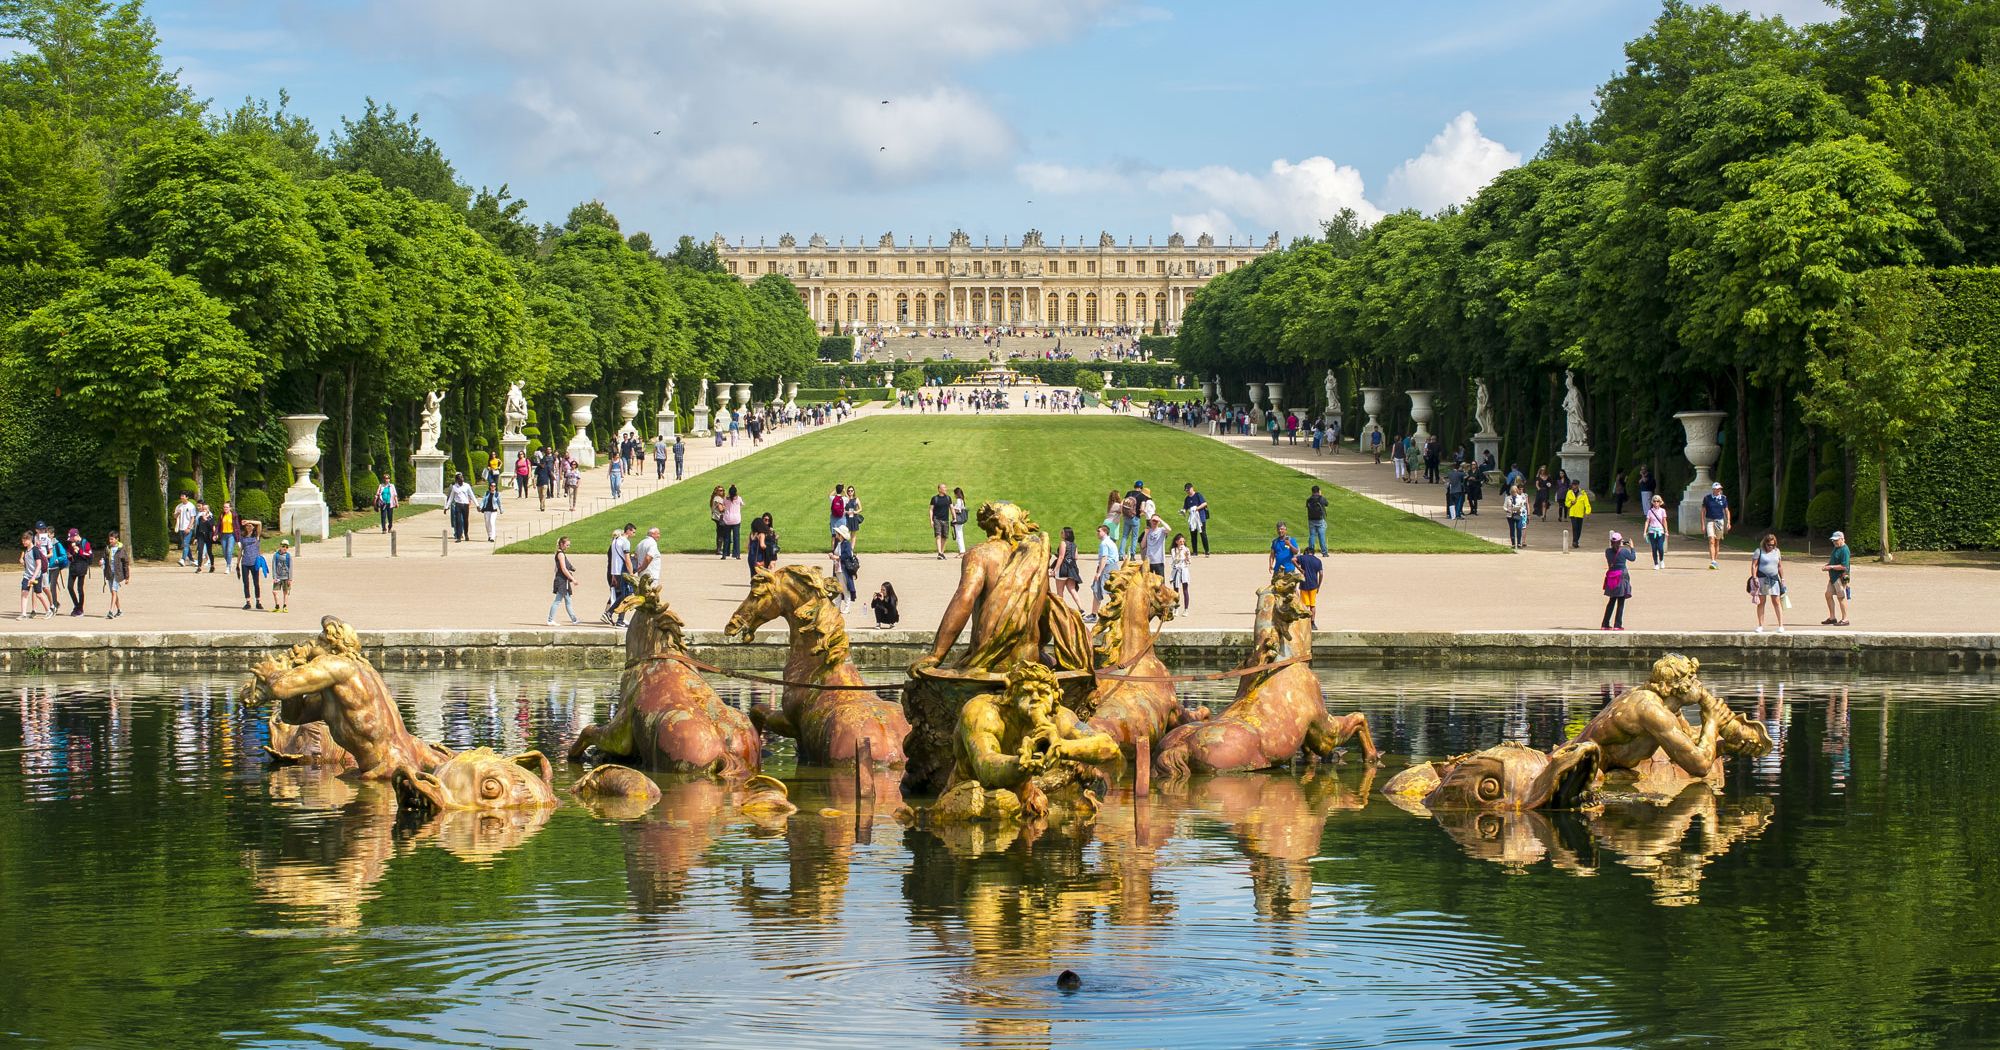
[1578, 433]
[516, 410]
[430, 425]
[702, 399]
[1482, 411]
[667, 402]
[1332, 393]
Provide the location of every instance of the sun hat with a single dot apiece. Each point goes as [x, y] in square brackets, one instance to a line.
[1839, 536]
[841, 531]
[1717, 485]
[1615, 537]
[284, 543]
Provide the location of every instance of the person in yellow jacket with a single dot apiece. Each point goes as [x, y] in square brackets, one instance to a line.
[1577, 503]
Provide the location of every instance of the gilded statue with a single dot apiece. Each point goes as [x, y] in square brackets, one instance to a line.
[1020, 755]
[1277, 711]
[479, 779]
[1647, 719]
[1143, 706]
[668, 718]
[329, 680]
[615, 792]
[1003, 594]
[830, 724]
[1508, 777]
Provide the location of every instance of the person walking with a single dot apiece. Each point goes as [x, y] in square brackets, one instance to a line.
[1563, 485]
[680, 456]
[1618, 494]
[227, 524]
[1284, 555]
[884, 605]
[565, 582]
[1617, 581]
[460, 499]
[1454, 493]
[660, 457]
[1063, 569]
[80, 556]
[1107, 563]
[1647, 486]
[184, 515]
[251, 566]
[1514, 506]
[34, 565]
[545, 478]
[1155, 546]
[1716, 520]
[1400, 460]
[489, 508]
[618, 566]
[616, 472]
[732, 524]
[846, 564]
[281, 577]
[385, 503]
[648, 562]
[521, 472]
[1577, 504]
[1312, 569]
[1195, 506]
[1544, 491]
[204, 538]
[1839, 565]
[1656, 530]
[1767, 580]
[1180, 570]
[762, 546]
[117, 571]
[940, 517]
[716, 500]
[959, 514]
[572, 481]
[1475, 489]
[1316, 521]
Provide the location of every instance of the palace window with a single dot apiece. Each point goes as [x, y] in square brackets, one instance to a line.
[1072, 269]
[732, 266]
[871, 269]
[850, 267]
[1139, 306]
[922, 301]
[753, 266]
[902, 267]
[1121, 266]
[920, 266]
[979, 268]
[1017, 267]
[1159, 266]
[1054, 266]
[1091, 266]
[1090, 308]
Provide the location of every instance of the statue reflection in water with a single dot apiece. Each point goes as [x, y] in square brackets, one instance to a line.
[1280, 822]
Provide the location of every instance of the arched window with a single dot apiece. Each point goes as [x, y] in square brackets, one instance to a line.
[921, 301]
[1139, 307]
[938, 314]
[1120, 308]
[853, 307]
[872, 309]
[1055, 308]
[1069, 317]
[1160, 306]
[902, 308]
[1090, 308]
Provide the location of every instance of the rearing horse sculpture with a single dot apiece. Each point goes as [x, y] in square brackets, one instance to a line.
[668, 718]
[1276, 710]
[1131, 711]
[829, 724]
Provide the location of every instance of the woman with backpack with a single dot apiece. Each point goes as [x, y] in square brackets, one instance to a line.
[78, 550]
[846, 565]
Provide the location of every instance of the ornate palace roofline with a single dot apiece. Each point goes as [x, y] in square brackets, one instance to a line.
[960, 243]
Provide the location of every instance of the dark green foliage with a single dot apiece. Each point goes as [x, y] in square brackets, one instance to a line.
[366, 484]
[1054, 373]
[51, 467]
[252, 504]
[836, 348]
[149, 537]
[1157, 347]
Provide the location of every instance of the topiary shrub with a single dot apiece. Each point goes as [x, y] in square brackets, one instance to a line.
[1089, 382]
[274, 496]
[181, 483]
[149, 514]
[1825, 512]
[911, 378]
[215, 488]
[366, 484]
[254, 504]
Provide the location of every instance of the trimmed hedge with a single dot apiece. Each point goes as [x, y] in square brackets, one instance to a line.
[836, 348]
[1157, 347]
[1946, 492]
[149, 515]
[50, 467]
[1054, 373]
[252, 504]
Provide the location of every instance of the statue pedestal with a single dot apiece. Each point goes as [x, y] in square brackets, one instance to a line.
[430, 477]
[582, 451]
[1482, 444]
[1702, 452]
[700, 428]
[304, 511]
[666, 424]
[1576, 462]
[512, 447]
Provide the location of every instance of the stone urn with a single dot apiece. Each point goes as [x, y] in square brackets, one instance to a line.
[1256, 392]
[628, 410]
[1207, 392]
[742, 396]
[304, 510]
[580, 448]
[1420, 413]
[1702, 451]
[1276, 392]
[792, 395]
[1371, 403]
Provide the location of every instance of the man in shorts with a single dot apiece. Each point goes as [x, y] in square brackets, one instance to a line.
[1716, 518]
[941, 518]
[281, 577]
[1314, 571]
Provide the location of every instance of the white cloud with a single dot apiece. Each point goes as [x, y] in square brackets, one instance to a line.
[1456, 164]
[721, 98]
[1797, 12]
[1214, 223]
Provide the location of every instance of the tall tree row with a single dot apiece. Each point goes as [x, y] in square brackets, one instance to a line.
[1704, 240]
[173, 280]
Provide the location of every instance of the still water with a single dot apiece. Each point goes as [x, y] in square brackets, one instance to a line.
[159, 886]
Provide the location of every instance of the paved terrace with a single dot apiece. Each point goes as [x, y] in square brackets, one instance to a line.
[1540, 589]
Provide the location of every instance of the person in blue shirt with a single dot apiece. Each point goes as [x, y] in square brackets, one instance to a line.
[1284, 552]
[1310, 567]
[1195, 506]
[1715, 521]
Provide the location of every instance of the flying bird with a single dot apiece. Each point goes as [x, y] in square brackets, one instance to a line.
[880, 148]
[753, 123]
[655, 132]
[885, 101]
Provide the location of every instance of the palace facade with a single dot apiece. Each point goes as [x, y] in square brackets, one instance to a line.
[1030, 285]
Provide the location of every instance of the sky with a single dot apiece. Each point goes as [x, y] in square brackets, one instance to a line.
[852, 118]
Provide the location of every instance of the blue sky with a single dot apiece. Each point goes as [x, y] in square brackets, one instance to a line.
[1069, 116]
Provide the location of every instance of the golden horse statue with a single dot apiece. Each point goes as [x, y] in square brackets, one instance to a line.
[1131, 711]
[1277, 710]
[668, 718]
[829, 724]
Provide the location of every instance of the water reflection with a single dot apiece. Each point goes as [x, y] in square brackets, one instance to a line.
[1859, 853]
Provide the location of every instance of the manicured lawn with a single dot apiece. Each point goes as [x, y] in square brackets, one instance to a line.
[359, 520]
[1060, 468]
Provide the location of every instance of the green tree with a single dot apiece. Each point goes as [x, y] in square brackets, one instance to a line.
[97, 66]
[52, 199]
[696, 255]
[497, 217]
[399, 153]
[911, 379]
[1875, 385]
[285, 140]
[590, 213]
[146, 358]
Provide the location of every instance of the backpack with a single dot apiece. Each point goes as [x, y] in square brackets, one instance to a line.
[58, 555]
